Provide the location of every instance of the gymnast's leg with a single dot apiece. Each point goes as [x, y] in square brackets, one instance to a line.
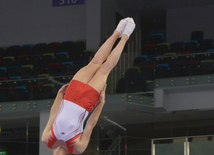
[86, 73]
[98, 82]
[99, 79]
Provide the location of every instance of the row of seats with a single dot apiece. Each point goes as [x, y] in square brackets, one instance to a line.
[33, 92]
[52, 59]
[41, 48]
[197, 43]
[164, 60]
[157, 38]
[46, 58]
[193, 46]
[40, 70]
[35, 89]
[137, 78]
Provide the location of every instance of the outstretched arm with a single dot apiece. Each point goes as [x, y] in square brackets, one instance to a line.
[53, 113]
[91, 122]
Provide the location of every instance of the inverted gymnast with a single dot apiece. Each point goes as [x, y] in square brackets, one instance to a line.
[64, 131]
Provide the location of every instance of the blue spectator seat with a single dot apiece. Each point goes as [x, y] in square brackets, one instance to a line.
[61, 57]
[162, 71]
[57, 74]
[3, 72]
[20, 93]
[29, 77]
[177, 46]
[13, 50]
[34, 59]
[205, 45]
[13, 71]
[26, 49]
[67, 67]
[140, 59]
[192, 46]
[156, 38]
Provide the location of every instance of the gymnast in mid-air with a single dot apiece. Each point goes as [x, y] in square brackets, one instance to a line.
[64, 131]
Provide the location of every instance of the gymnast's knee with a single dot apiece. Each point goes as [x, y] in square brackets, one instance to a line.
[107, 66]
[96, 60]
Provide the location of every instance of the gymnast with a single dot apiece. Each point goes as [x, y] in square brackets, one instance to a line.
[64, 131]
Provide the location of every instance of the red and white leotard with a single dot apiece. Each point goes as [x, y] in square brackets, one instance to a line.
[78, 101]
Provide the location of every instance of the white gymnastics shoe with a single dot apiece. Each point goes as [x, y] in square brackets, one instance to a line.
[130, 26]
[121, 26]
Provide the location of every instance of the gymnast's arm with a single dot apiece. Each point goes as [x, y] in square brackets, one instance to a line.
[53, 113]
[90, 124]
[92, 121]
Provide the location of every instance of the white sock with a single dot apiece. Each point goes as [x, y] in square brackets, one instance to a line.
[130, 26]
[121, 26]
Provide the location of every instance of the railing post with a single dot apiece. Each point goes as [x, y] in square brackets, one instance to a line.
[186, 147]
[153, 147]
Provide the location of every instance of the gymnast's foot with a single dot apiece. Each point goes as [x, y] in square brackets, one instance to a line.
[130, 26]
[121, 26]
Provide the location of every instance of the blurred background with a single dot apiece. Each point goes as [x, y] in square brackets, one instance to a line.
[159, 96]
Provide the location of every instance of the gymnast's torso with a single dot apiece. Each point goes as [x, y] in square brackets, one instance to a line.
[78, 101]
[69, 121]
[68, 125]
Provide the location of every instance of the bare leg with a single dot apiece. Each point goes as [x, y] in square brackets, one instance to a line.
[97, 82]
[86, 73]
[99, 79]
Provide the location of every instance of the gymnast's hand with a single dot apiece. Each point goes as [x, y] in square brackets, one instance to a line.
[102, 94]
[63, 89]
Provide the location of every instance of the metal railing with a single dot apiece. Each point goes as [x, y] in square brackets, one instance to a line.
[183, 145]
